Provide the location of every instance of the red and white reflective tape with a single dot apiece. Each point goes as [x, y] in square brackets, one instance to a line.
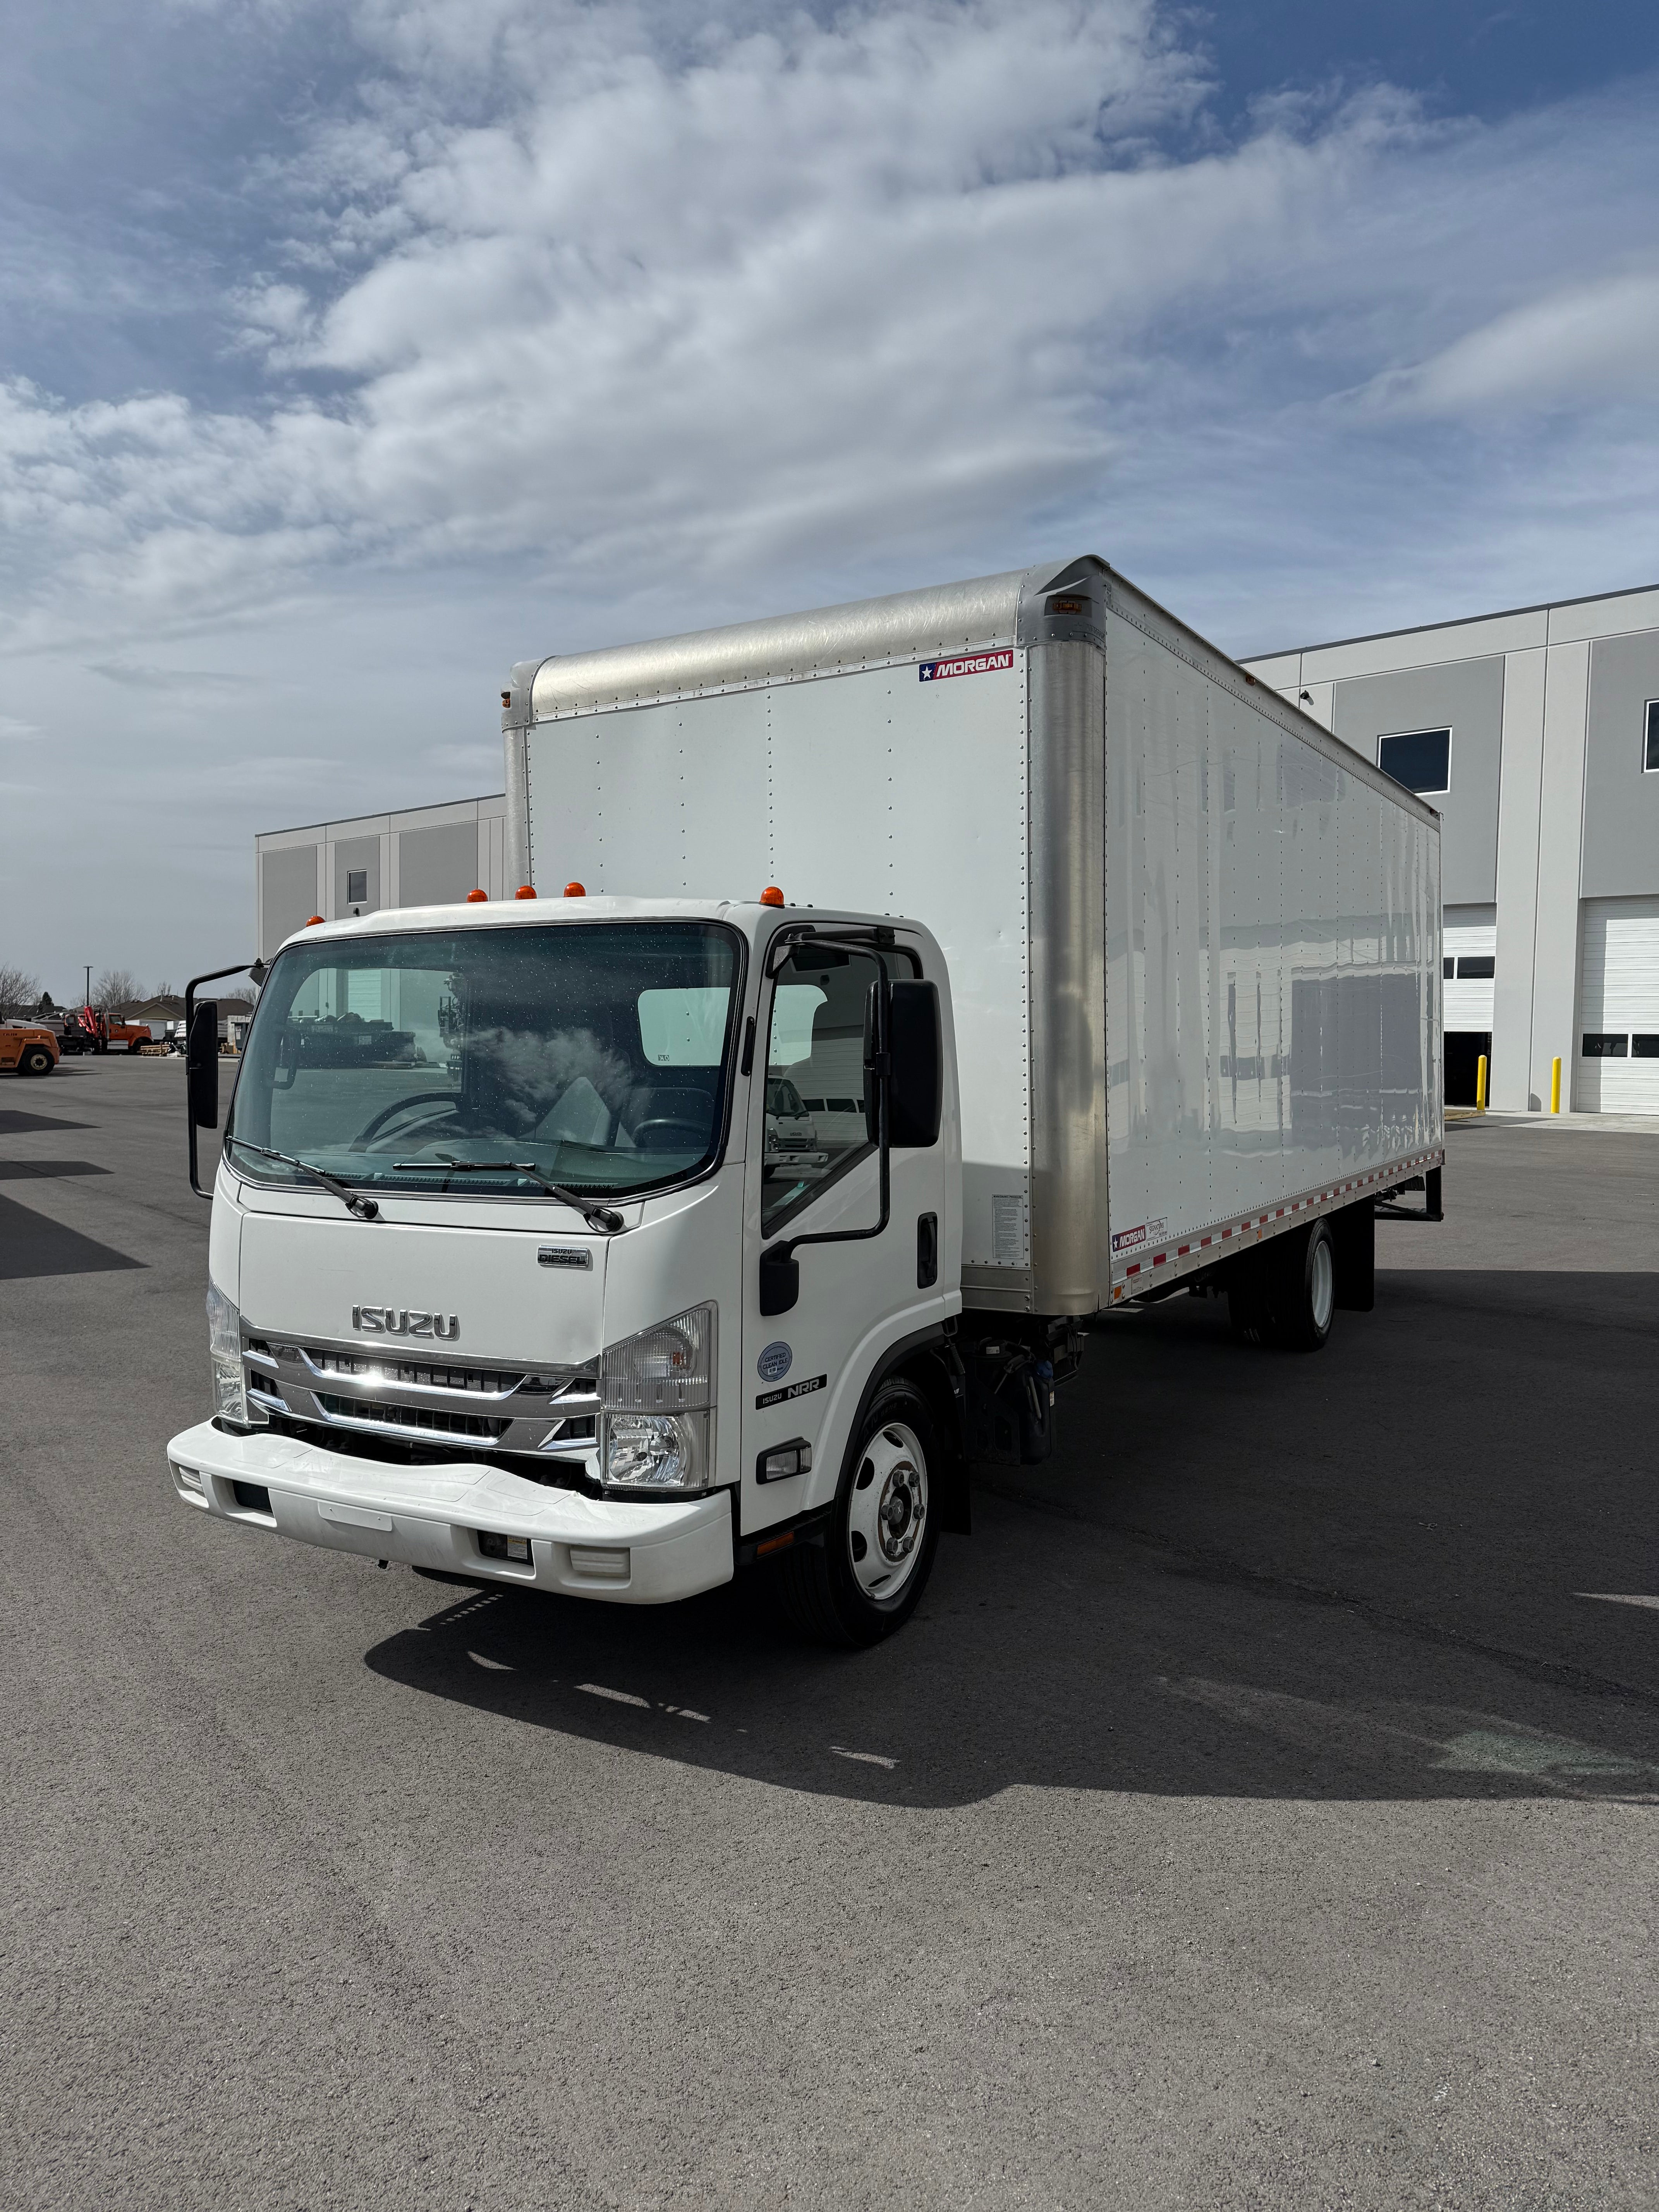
[1255, 1222]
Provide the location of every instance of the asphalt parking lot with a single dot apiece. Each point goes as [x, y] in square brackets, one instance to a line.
[1260, 1811]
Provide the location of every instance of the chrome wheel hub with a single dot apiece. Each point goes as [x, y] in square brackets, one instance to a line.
[888, 1510]
[1323, 1287]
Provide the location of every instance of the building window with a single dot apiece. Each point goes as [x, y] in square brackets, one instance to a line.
[356, 886]
[1598, 1045]
[1644, 1047]
[1448, 967]
[1421, 759]
[1650, 738]
[1477, 968]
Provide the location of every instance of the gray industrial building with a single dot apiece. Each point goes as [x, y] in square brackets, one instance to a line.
[1534, 732]
[420, 856]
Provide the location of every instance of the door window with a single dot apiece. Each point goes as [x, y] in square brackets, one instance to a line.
[815, 1079]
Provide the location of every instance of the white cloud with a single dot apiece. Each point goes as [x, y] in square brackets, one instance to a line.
[1576, 342]
[812, 284]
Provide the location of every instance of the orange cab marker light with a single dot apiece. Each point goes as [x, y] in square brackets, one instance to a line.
[575, 890]
[473, 897]
[771, 896]
[314, 921]
[526, 890]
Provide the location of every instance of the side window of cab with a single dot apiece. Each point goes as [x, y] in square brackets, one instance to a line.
[816, 1128]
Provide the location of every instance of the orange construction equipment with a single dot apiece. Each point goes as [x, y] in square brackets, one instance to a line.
[27, 1048]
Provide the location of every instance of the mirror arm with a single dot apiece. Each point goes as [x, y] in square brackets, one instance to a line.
[245, 967]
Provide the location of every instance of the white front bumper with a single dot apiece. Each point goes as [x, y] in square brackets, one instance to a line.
[647, 1553]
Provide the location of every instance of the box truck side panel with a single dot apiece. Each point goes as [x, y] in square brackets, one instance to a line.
[1271, 945]
[1246, 1163]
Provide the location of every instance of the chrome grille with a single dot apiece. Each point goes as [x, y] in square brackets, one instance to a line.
[550, 1413]
[414, 1374]
[427, 1420]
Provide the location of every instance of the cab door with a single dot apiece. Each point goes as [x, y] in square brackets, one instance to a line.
[804, 1370]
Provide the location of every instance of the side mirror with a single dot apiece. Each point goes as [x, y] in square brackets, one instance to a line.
[916, 1063]
[202, 1064]
[780, 1280]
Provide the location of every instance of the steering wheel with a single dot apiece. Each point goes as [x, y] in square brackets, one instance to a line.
[652, 1143]
[359, 1142]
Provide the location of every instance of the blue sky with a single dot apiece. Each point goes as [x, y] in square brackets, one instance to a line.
[350, 352]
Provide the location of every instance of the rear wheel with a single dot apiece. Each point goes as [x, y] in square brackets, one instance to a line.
[1286, 1294]
[867, 1577]
[36, 1060]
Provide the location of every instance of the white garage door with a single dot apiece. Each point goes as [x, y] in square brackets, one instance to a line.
[1471, 946]
[1618, 1070]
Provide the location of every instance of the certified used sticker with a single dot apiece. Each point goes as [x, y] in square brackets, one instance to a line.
[774, 1363]
[790, 1390]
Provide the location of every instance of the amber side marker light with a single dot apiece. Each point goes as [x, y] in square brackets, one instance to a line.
[526, 890]
[771, 896]
[473, 898]
[575, 890]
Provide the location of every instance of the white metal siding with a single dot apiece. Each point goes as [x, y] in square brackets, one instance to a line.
[1618, 993]
[1272, 984]
[1470, 930]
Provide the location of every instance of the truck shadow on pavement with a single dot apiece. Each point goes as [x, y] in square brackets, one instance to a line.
[1402, 1570]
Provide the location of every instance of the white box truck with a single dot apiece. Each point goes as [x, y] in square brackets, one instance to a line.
[891, 989]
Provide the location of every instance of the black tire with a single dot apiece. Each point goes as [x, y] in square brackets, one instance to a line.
[826, 1593]
[1286, 1294]
[36, 1060]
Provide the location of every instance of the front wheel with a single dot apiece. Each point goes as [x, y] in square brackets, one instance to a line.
[37, 1061]
[867, 1577]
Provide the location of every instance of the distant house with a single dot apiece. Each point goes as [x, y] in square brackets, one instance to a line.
[165, 1014]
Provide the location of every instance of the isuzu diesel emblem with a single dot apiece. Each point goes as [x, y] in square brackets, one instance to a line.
[404, 1320]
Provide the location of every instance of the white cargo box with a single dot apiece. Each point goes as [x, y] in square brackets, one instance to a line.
[1193, 939]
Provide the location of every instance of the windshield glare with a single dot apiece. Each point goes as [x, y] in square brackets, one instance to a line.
[596, 1052]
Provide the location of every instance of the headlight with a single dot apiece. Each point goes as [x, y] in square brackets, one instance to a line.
[656, 1396]
[225, 1352]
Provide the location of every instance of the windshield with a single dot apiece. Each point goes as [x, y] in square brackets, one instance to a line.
[596, 1053]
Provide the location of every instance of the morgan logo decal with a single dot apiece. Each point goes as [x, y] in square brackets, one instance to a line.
[967, 663]
[404, 1320]
[1127, 1239]
[774, 1363]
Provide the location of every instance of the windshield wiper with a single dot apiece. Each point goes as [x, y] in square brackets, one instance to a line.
[364, 1208]
[595, 1215]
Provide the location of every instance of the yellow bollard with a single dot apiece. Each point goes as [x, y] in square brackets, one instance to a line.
[1555, 1085]
[1480, 1085]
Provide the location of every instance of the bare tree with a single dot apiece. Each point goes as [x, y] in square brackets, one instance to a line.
[116, 989]
[20, 992]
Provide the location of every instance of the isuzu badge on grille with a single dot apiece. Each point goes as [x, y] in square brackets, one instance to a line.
[404, 1320]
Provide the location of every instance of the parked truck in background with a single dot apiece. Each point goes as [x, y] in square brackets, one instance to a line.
[27, 1048]
[654, 1222]
[95, 1029]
